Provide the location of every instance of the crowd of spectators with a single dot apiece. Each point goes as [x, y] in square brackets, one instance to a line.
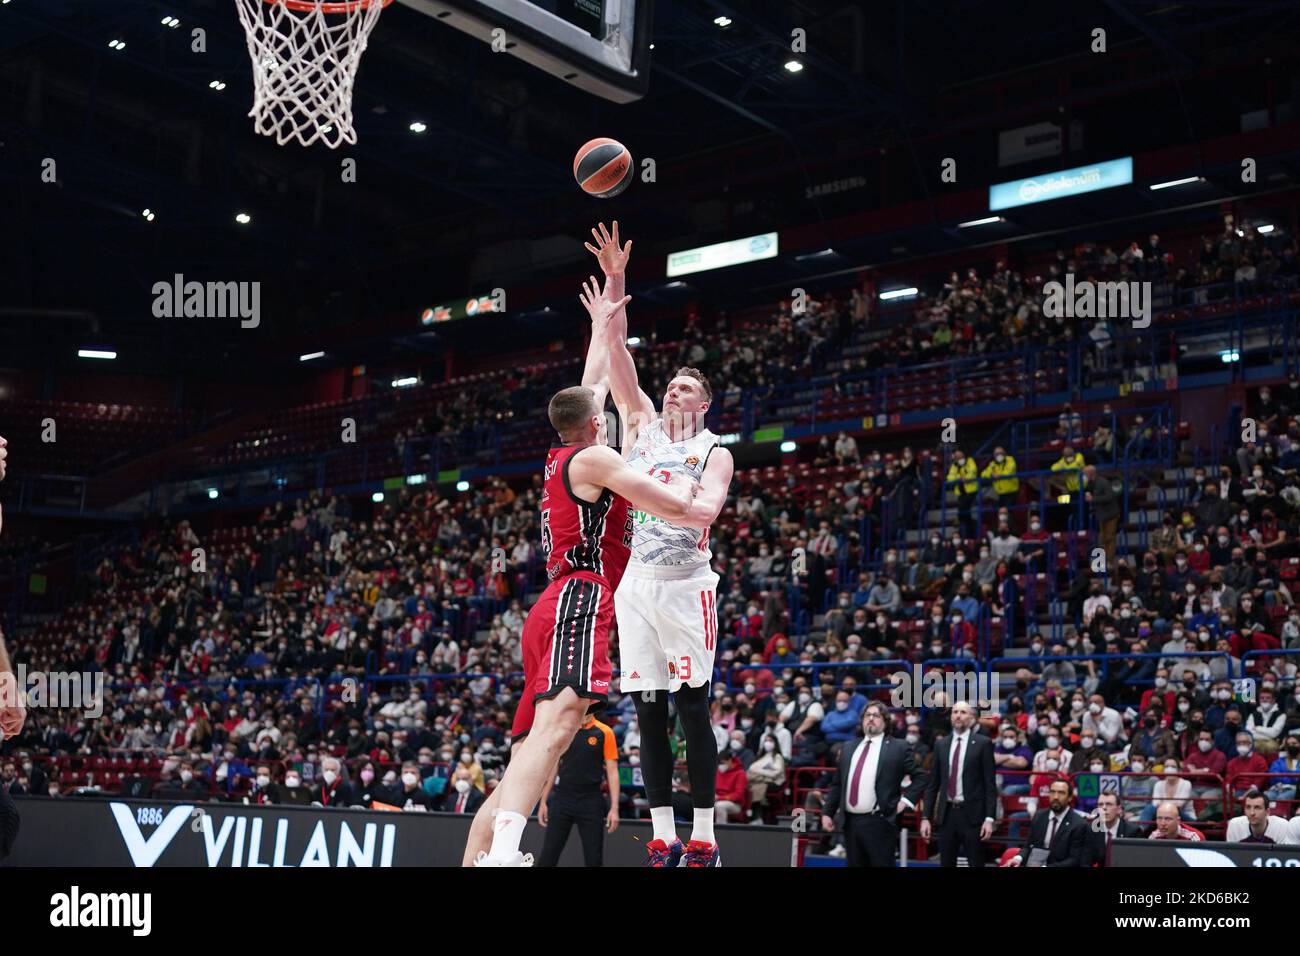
[330, 658]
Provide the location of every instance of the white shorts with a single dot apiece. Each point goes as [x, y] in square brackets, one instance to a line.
[667, 628]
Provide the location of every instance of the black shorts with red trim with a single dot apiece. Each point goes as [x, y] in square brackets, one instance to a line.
[566, 644]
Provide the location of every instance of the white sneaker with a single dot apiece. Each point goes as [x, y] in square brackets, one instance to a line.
[520, 859]
[838, 852]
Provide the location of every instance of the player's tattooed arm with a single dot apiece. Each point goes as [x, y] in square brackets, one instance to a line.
[712, 495]
[595, 374]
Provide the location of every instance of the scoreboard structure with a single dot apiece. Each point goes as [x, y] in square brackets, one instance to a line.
[601, 46]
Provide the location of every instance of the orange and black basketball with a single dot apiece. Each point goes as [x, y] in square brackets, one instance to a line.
[603, 167]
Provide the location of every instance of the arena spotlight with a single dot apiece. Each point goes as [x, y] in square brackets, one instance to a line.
[416, 479]
[794, 66]
[788, 446]
[907, 293]
[217, 85]
[723, 22]
[243, 218]
[1265, 229]
[986, 221]
[116, 44]
[171, 22]
[213, 493]
[1228, 356]
[96, 354]
[377, 497]
[633, 342]
[462, 485]
[417, 127]
[310, 355]
[148, 215]
[405, 382]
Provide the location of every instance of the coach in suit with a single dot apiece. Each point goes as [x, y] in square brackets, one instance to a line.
[1106, 826]
[961, 797]
[1058, 829]
[462, 796]
[868, 791]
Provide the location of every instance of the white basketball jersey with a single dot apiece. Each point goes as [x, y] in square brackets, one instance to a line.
[656, 542]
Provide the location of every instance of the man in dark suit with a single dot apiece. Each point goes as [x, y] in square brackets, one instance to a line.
[1106, 825]
[867, 791]
[1058, 829]
[462, 796]
[961, 796]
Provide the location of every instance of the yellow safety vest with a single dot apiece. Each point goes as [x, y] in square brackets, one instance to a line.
[965, 470]
[1076, 463]
[1004, 475]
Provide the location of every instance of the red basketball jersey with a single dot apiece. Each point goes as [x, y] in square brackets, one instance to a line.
[582, 535]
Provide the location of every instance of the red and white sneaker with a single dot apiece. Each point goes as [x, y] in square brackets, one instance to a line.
[699, 853]
[660, 853]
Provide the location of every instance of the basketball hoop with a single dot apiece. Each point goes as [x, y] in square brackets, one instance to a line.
[305, 56]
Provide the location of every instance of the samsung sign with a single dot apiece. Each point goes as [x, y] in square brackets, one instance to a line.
[1067, 182]
[722, 254]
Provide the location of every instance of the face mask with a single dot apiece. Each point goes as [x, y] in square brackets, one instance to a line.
[746, 723]
[329, 776]
[1184, 706]
[1094, 708]
[445, 758]
[462, 785]
[1036, 648]
[913, 738]
[1138, 766]
[409, 778]
[805, 699]
[841, 705]
[634, 760]
[1034, 526]
[186, 776]
[1204, 745]
[1051, 763]
[466, 758]
[1076, 706]
[1087, 742]
[1053, 743]
[1096, 767]
[749, 689]
[263, 782]
[367, 776]
[1008, 743]
[291, 782]
[769, 746]
[1162, 681]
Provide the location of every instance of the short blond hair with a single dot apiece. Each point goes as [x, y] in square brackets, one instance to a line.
[696, 374]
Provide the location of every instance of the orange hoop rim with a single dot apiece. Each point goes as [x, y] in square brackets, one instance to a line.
[346, 6]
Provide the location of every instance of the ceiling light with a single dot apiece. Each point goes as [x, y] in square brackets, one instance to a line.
[310, 355]
[899, 294]
[417, 127]
[794, 66]
[722, 21]
[987, 220]
[1178, 182]
[243, 218]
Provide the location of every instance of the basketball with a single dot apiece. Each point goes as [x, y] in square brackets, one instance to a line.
[603, 167]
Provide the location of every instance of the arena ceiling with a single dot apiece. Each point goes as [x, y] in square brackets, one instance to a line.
[487, 189]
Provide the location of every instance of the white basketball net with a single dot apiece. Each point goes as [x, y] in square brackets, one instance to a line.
[305, 59]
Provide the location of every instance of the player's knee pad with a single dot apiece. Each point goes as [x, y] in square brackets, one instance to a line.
[652, 711]
[693, 707]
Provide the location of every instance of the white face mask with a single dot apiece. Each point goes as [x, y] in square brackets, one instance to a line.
[462, 786]
[1138, 766]
[913, 738]
[1243, 749]
[291, 782]
[263, 782]
[410, 779]
[1087, 742]
[330, 776]
[1053, 743]
[1051, 763]
[769, 746]
[1096, 767]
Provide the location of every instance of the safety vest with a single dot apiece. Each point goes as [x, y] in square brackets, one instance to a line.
[965, 470]
[1004, 475]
